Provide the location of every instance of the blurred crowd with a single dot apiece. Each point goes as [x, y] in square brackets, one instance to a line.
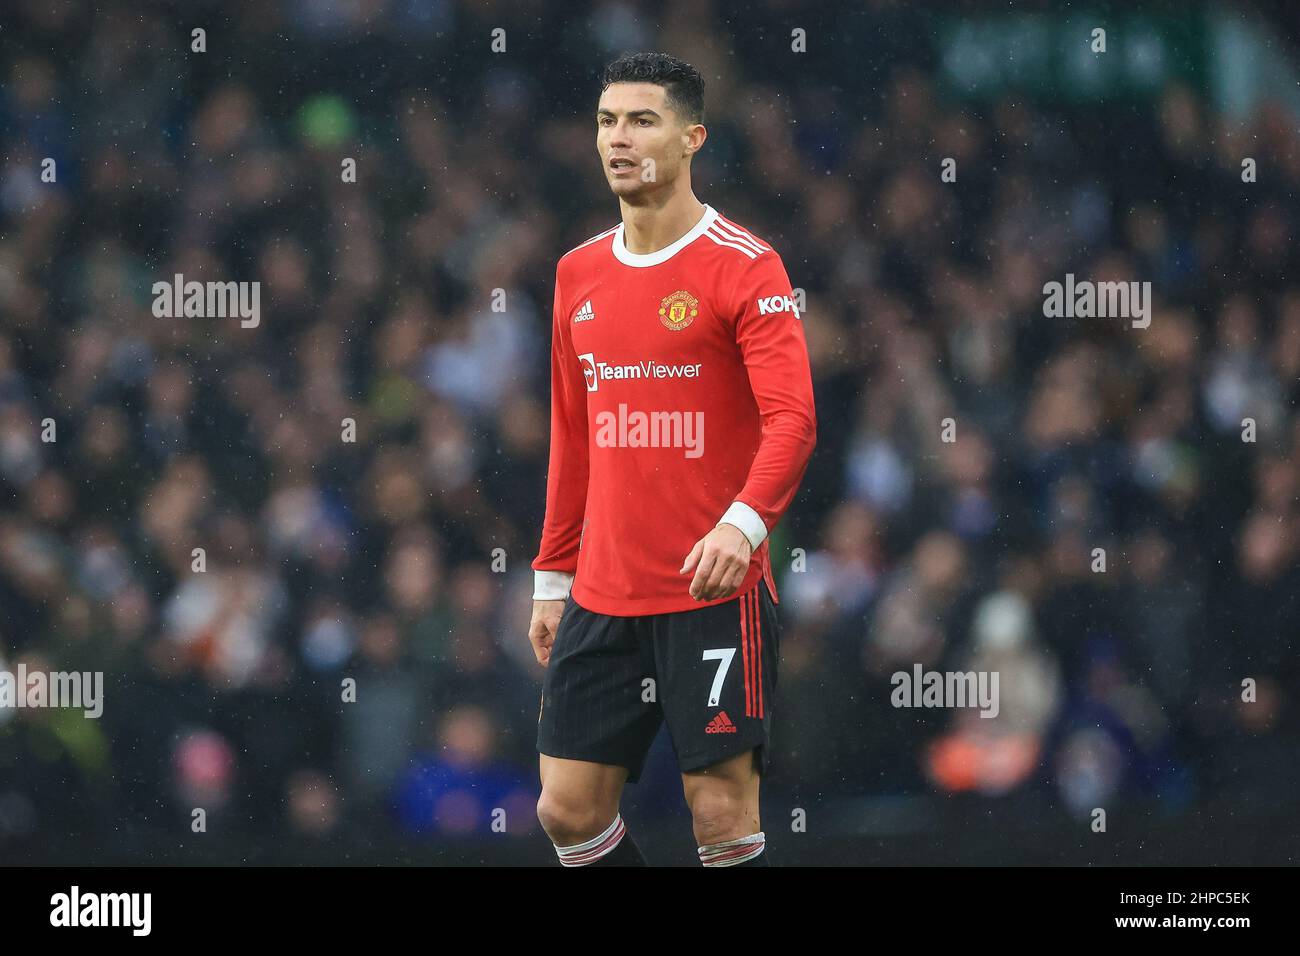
[1106, 530]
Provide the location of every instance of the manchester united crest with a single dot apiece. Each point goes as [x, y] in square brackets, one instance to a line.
[678, 310]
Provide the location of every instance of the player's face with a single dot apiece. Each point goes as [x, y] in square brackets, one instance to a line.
[641, 141]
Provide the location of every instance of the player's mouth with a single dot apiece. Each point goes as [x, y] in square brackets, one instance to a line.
[621, 166]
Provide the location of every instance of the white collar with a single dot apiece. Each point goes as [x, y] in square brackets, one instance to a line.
[641, 260]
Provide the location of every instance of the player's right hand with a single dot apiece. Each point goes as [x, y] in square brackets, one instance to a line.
[541, 630]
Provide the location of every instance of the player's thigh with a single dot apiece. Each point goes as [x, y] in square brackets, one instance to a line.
[729, 787]
[595, 707]
[577, 782]
[717, 670]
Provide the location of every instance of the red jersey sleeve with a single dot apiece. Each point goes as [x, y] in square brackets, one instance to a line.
[772, 344]
[566, 477]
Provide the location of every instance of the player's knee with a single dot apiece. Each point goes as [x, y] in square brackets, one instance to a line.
[719, 815]
[568, 821]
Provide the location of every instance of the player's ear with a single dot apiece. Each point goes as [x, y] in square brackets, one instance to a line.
[695, 136]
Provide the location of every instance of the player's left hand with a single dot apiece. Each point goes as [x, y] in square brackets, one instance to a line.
[719, 560]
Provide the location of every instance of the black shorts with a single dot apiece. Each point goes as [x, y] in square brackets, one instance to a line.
[710, 671]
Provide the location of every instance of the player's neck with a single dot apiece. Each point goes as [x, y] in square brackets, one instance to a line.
[649, 228]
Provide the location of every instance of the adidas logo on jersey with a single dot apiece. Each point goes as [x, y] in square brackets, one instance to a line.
[720, 724]
[585, 313]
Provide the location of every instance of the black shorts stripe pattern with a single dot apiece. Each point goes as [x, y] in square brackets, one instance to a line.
[710, 673]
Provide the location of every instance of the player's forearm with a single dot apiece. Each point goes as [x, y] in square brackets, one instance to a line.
[556, 562]
[774, 478]
[566, 506]
[781, 379]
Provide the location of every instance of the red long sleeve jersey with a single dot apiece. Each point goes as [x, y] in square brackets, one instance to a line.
[681, 396]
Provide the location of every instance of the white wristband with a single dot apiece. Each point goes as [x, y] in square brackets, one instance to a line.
[747, 520]
[551, 585]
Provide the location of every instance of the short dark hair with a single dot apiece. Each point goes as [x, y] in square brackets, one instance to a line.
[682, 83]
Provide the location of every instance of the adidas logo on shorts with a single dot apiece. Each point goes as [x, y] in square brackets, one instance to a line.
[720, 724]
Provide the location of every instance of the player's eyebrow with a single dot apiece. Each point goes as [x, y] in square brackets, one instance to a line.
[631, 113]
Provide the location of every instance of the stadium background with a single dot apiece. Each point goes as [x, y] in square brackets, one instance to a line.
[476, 170]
